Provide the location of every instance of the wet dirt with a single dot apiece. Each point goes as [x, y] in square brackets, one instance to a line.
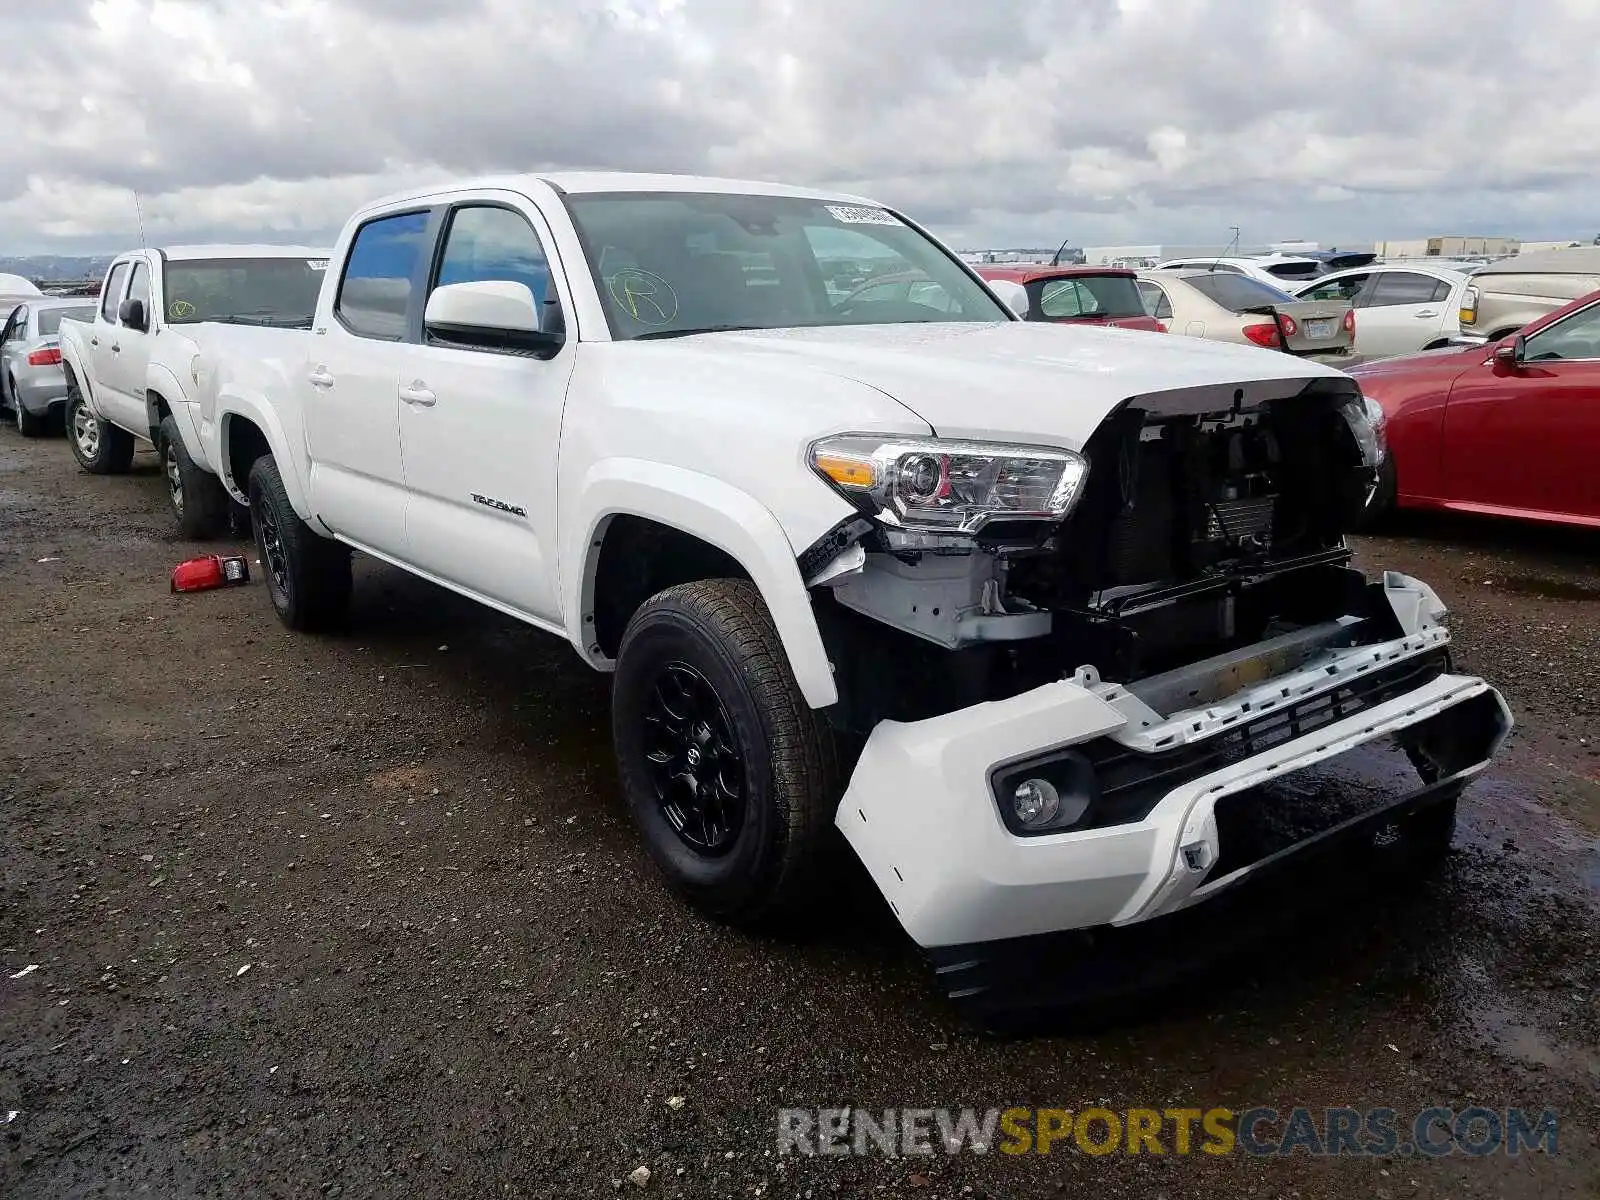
[363, 916]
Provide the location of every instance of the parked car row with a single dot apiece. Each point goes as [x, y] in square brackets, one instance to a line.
[1033, 613]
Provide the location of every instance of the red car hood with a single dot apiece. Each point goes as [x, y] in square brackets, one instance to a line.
[1448, 358]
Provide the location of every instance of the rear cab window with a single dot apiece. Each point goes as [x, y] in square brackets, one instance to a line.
[379, 273]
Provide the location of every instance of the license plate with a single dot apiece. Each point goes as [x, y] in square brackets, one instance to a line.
[1319, 329]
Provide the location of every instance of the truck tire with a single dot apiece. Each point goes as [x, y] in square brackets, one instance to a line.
[99, 446]
[731, 777]
[29, 425]
[198, 499]
[308, 576]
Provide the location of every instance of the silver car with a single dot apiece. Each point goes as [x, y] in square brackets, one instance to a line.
[32, 384]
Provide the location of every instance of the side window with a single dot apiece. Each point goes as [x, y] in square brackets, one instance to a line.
[1155, 301]
[1064, 298]
[375, 292]
[139, 285]
[1577, 337]
[111, 294]
[1402, 287]
[1441, 290]
[1343, 289]
[486, 243]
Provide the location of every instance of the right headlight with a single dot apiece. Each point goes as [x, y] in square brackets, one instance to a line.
[935, 485]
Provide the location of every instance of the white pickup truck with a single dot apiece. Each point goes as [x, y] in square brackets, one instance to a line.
[132, 372]
[1058, 626]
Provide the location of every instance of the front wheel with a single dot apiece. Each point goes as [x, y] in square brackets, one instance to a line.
[731, 777]
[99, 446]
[308, 576]
[197, 497]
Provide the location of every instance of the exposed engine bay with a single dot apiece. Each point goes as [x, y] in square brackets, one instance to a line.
[1198, 533]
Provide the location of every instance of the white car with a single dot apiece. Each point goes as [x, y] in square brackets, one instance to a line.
[1400, 308]
[1056, 625]
[1279, 270]
[132, 370]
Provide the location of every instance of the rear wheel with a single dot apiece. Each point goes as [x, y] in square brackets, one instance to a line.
[731, 777]
[308, 576]
[99, 446]
[29, 424]
[198, 498]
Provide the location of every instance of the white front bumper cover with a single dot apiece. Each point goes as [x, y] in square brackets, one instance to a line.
[922, 815]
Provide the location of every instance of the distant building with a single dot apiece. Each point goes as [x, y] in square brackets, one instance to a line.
[1448, 247]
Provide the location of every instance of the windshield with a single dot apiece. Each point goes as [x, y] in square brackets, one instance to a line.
[50, 318]
[1237, 292]
[1085, 296]
[243, 291]
[673, 263]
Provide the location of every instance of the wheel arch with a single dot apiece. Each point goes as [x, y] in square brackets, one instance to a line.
[693, 527]
[246, 432]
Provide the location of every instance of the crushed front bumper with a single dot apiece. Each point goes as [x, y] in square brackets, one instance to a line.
[923, 815]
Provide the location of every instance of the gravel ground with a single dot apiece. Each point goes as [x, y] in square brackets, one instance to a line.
[364, 916]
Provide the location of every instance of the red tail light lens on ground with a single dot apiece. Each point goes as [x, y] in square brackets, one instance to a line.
[1350, 322]
[210, 571]
[45, 358]
[1263, 335]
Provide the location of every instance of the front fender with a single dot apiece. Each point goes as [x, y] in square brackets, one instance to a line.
[162, 384]
[717, 513]
[233, 406]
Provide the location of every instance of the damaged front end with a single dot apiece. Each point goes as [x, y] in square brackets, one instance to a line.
[1178, 683]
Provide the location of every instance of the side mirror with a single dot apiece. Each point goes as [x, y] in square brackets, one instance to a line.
[496, 314]
[131, 313]
[1013, 295]
[1512, 354]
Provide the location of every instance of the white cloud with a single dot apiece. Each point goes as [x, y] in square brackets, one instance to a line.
[1007, 121]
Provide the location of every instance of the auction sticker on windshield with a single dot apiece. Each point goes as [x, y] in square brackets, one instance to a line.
[859, 214]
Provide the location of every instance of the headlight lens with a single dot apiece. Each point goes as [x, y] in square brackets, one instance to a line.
[938, 486]
[1366, 420]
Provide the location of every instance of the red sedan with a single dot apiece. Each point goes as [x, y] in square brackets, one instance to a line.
[1510, 428]
[1079, 295]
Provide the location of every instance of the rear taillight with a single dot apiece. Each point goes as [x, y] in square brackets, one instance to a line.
[45, 358]
[1287, 324]
[1263, 335]
[1469, 306]
[1350, 322]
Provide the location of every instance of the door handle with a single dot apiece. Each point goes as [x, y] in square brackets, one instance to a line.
[1427, 312]
[319, 378]
[418, 394]
[94, 341]
[116, 349]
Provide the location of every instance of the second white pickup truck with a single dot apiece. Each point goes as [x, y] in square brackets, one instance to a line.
[131, 372]
[1056, 625]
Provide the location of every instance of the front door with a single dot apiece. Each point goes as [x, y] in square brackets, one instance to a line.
[1525, 440]
[480, 429]
[351, 383]
[1402, 312]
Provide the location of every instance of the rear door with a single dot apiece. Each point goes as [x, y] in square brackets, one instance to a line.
[101, 340]
[480, 428]
[130, 356]
[1526, 440]
[1401, 313]
[352, 380]
[13, 340]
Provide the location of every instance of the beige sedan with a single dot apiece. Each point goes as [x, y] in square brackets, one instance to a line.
[1224, 307]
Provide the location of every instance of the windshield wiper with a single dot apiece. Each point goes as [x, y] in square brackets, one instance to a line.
[657, 334]
[273, 320]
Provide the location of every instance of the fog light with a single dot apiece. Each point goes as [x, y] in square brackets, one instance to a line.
[1036, 802]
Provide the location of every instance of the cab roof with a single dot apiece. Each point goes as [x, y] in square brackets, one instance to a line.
[589, 182]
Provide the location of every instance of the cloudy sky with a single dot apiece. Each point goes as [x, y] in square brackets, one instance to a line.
[1001, 122]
